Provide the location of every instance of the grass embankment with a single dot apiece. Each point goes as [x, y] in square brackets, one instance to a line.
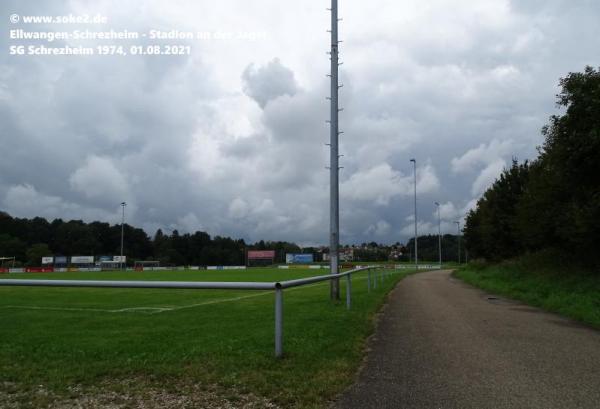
[536, 280]
[69, 342]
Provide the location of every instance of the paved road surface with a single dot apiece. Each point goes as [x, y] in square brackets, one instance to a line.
[443, 344]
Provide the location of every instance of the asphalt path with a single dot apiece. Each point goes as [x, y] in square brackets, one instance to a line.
[443, 344]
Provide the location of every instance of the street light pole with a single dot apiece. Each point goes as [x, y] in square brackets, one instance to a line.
[439, 232]
[123, 204]
[458, 236]
[416, 234]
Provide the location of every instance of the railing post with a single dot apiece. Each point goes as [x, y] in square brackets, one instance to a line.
[348, 291]
[369, 280]
[278, 321]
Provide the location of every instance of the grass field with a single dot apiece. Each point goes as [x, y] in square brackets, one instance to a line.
[127, 345]
[553, 287]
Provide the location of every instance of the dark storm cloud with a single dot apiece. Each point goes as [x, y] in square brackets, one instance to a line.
[232, 139]
[268, 82]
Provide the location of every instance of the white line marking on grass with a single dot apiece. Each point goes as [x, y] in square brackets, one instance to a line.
[158, 310]
[218, 301]
[222, 300]
[32, 307]
[149, 310]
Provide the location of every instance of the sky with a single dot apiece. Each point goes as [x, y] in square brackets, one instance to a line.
[231, 138]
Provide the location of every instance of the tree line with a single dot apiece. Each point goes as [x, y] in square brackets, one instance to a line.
[28, 240]
[551, 204]
[428, 249]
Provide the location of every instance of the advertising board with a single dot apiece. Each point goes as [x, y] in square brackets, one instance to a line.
[82, 259]
[47, 260]
[291, 258]
[39, 269]
[261, 254]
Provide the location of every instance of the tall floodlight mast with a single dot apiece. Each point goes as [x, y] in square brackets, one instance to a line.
[334, 211]
[439, 232]
[123, 204]
[414, 161]
[458, 237]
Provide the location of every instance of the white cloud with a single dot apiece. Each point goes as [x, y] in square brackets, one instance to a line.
[380, 229]
[24, 197]
[427, 180]
[423, 228]
[381, 183]
[25, 200]
[487, 177]
[447, 211]
[100, 179]
[238, 208]
[469, 206]
[378, 184]
[483, 155]
[190, 223]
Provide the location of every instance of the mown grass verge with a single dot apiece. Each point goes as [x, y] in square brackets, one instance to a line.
[539, 281]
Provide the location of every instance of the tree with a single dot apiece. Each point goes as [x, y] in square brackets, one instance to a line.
[161, 247]
[570, 159]
[36, 252]
[554, 202]
[494, 220]
[12, 247]
[29, 240]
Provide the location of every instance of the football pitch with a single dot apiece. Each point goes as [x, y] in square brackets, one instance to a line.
[58, 339]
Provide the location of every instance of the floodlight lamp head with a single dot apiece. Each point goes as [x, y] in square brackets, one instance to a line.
[436, 203]
[413, 160]
[123, 204]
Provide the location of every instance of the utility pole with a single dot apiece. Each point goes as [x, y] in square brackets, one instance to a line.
[458, 237]
[416, 234]
[334, 204]
[439, 232]
[123, 204]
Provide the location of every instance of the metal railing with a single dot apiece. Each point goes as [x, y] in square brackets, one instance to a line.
[373, 277]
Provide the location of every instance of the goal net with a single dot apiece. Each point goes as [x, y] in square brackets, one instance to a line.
[6, 262]
[110, 265]
[140, 265]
